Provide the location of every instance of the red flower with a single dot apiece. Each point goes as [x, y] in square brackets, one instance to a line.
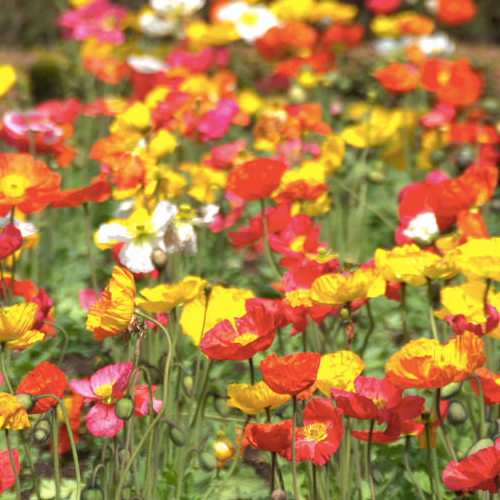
[489, 384]
[378, 400]
[455, 12]
[10, 240]
[479, 471]
[255, 179]
[46, 378]
[73, 404]
[290, 374]
[382, 6]
[321, 434]
[398, 78]
[7, 476]
[99, 190]
[254, 332]
[269, 437]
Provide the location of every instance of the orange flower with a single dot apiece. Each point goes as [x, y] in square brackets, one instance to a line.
[16, 323]
[290, 374]
[98, 191]
[426, 364]
[25, 183]
[455, 12]
[255, 179]
[398, 78]
[46, 378]
[112, 314]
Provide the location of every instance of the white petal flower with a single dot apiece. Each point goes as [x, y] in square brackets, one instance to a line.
[423, 229]
[113, 232]
[163, 215]
[136, 256]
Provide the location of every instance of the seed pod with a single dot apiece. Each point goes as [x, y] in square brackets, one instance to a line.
[220, 406]
[177, 436]
[159, 258]
[41, 431]
[92, 493]
[124, 408]
[479, 445]
[438, 156]
[464, 158]
[188, 384]
[456, 413]
[208, 462]
[450, 390]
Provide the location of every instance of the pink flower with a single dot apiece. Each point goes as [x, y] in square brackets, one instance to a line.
[105, 387]
[217, 121]
[141, 400]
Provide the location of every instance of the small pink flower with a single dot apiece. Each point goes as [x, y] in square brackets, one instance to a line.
[105, 387]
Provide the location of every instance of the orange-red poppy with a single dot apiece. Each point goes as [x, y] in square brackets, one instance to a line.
[398, 78]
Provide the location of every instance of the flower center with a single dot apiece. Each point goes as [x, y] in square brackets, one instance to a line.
[245, 338]
[297, 245]
[14, 186]
[105, 392]
[249, 18]
[316, 431]
[299, 297]
[380, 403]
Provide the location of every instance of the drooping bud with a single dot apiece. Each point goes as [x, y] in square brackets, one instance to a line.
[124, 408]
[26, 400]
[41, 431]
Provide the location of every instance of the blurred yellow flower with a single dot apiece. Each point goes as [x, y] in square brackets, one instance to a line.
[13, 415]
[7, 78]
[223, 303]
[137, 118]
[205, 181]
[480, 258]
[161, 144]
[253, 399]
[339, 289]
[338, 370]
[163, 183]
[163, 298]
[15, 326]
[332, 153]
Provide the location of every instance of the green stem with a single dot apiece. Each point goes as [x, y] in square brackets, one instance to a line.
[483, 426]
[404, 315]
[449, 445]
[315, 483]
[159, 415]
[13, 465]
[345, 461]
[55, 443]
[267, 248]
[430, 311]
[409, 470]
[252, 371]
[4, 368]
[369, 461]
[88, 238]
[370, 329]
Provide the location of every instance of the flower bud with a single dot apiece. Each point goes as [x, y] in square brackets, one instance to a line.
[41, 431]
[438, 156]
[159, 258]
[456, 413]
[124, 408]
[479, 445]
[220, 406]
[208, 462]
[91, 493]
[26, 400]
[188, 385]
[177, 436]
[450, 390]
[344, 313]
[297, 94]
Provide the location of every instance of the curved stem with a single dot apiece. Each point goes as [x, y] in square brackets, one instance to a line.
[65, 343]
[13, 464]
[159, 415]
[55, 444]
[410, 472]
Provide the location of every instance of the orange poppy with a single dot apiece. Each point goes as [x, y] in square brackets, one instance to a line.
[455, 12]
[398, 78]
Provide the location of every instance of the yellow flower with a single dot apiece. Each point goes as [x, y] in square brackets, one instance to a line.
[163, 298]
[205, 181]
[480, 258]
[15, 326]
[7, 78]
[468, 299]
[135, 119]
[253, 399]
[332, 153]
[414, 266]
[224, 303]
[161, 144]
[338, 289]
[249, 101]
[336, 11]
[291, 10]
[13, 415]
[338, 370]
[112, 314]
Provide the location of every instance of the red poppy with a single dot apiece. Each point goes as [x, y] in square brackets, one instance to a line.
[398, 78]
[478, 471]
[46, 378]
[459, 322]
[490, 385]
[340, 38]
[290, 374]
[98, 191]
[253, 332]
[255, 179]
[455, 12]
[269, 437]
[10, 240]
[73, 404]
[378, 400]
[454, 83]
[7, 476]
[382, 6]
[321, 434]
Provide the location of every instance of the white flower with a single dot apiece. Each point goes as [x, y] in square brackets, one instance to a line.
[27, 228]
[436, 44]
[423, 229]
[146, 64]
[153, 25]
[177, 8]
[249, 21]
[141, 233]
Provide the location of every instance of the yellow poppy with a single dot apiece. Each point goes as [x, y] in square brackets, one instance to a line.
[338, 370]
[15, 326]
[253, 399]
[13, 415]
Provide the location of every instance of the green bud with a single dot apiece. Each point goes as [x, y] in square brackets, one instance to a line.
[188, 385]
[26, 400]
[376, 176]
[464, 158]
[438, 156]
[41, 431]
[124, 408]
[220, 406]
[177, 436]
[490, 105]
[159, 258]
[91, 493]
[208, 462]
[450, 390]
[456, 413]
[344, 313]
[479, 445]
